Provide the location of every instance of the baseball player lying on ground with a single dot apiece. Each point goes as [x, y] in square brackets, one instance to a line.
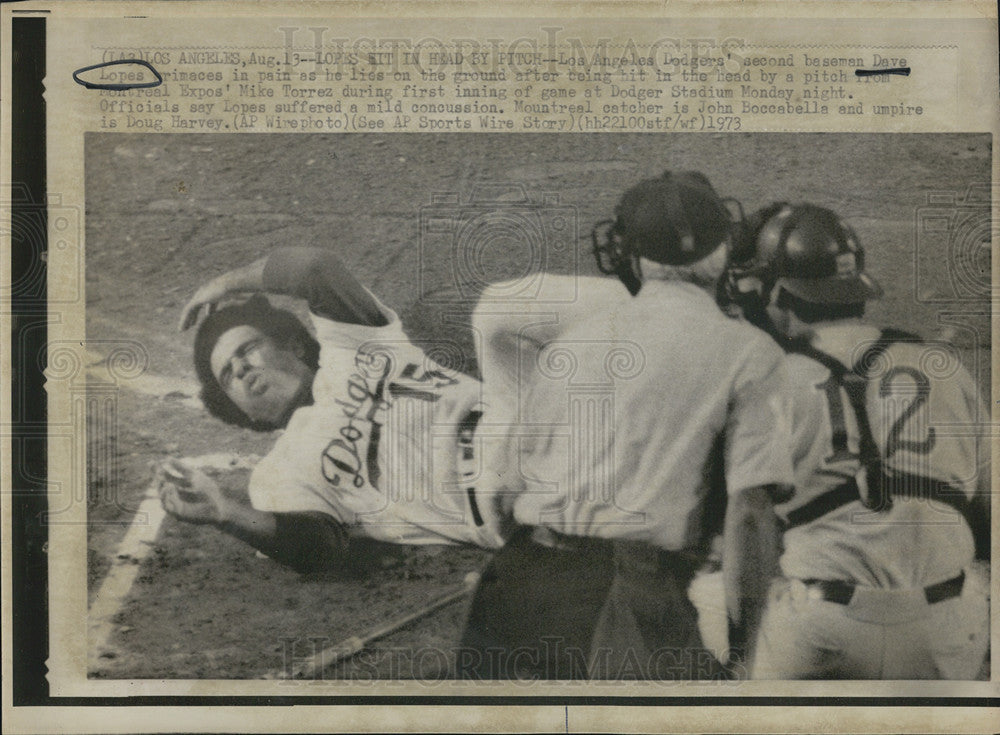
[891, 472]
[622, 415]
[378, 437]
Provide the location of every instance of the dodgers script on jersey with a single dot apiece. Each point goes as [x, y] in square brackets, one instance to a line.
[926, 419]
[379, 447]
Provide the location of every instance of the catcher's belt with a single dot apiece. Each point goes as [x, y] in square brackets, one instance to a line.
[842, 593]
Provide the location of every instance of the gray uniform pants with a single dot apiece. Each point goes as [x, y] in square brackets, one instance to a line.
[878, 634]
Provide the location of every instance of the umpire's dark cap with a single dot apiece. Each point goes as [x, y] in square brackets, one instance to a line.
[674, 219]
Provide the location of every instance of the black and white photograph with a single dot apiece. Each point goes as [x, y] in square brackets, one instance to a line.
[619, 407]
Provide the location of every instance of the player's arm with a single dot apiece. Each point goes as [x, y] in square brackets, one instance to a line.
[307, 542]
[313, 274]
[751, 549]
[758, 459]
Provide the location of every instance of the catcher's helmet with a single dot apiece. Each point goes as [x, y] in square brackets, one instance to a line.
[814, 256]
[674, 219]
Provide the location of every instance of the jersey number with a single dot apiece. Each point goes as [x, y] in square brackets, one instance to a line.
[838, 427]
[410, 384]
[894, 443]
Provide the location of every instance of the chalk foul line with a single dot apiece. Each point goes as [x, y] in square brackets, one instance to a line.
[134, 548]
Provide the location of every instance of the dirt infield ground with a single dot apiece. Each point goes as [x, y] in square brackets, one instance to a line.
[167, 212]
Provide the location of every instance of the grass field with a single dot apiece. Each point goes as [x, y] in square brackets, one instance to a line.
[167, 212]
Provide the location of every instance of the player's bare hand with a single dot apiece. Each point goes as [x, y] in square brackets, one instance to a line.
[189, 494]
[247, 279]
[205, 298]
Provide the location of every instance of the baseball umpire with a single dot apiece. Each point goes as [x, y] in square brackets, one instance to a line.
[625, 415]
[378, 438]
[891, 466]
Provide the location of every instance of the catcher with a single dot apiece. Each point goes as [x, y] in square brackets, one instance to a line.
[891, 471]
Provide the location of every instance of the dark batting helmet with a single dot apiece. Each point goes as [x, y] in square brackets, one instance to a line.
[810, 253]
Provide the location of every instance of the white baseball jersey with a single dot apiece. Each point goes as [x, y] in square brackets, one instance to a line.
[379, 447]
[926, 419]
[619, 409]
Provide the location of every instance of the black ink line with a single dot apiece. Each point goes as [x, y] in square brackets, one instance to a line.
[140, 85]
[903, 71]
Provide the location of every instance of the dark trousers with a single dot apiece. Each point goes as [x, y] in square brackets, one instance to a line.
[534, 612]
[579, 608]
[648, 628]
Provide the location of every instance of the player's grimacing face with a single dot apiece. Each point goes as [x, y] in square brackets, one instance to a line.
[264, 379]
